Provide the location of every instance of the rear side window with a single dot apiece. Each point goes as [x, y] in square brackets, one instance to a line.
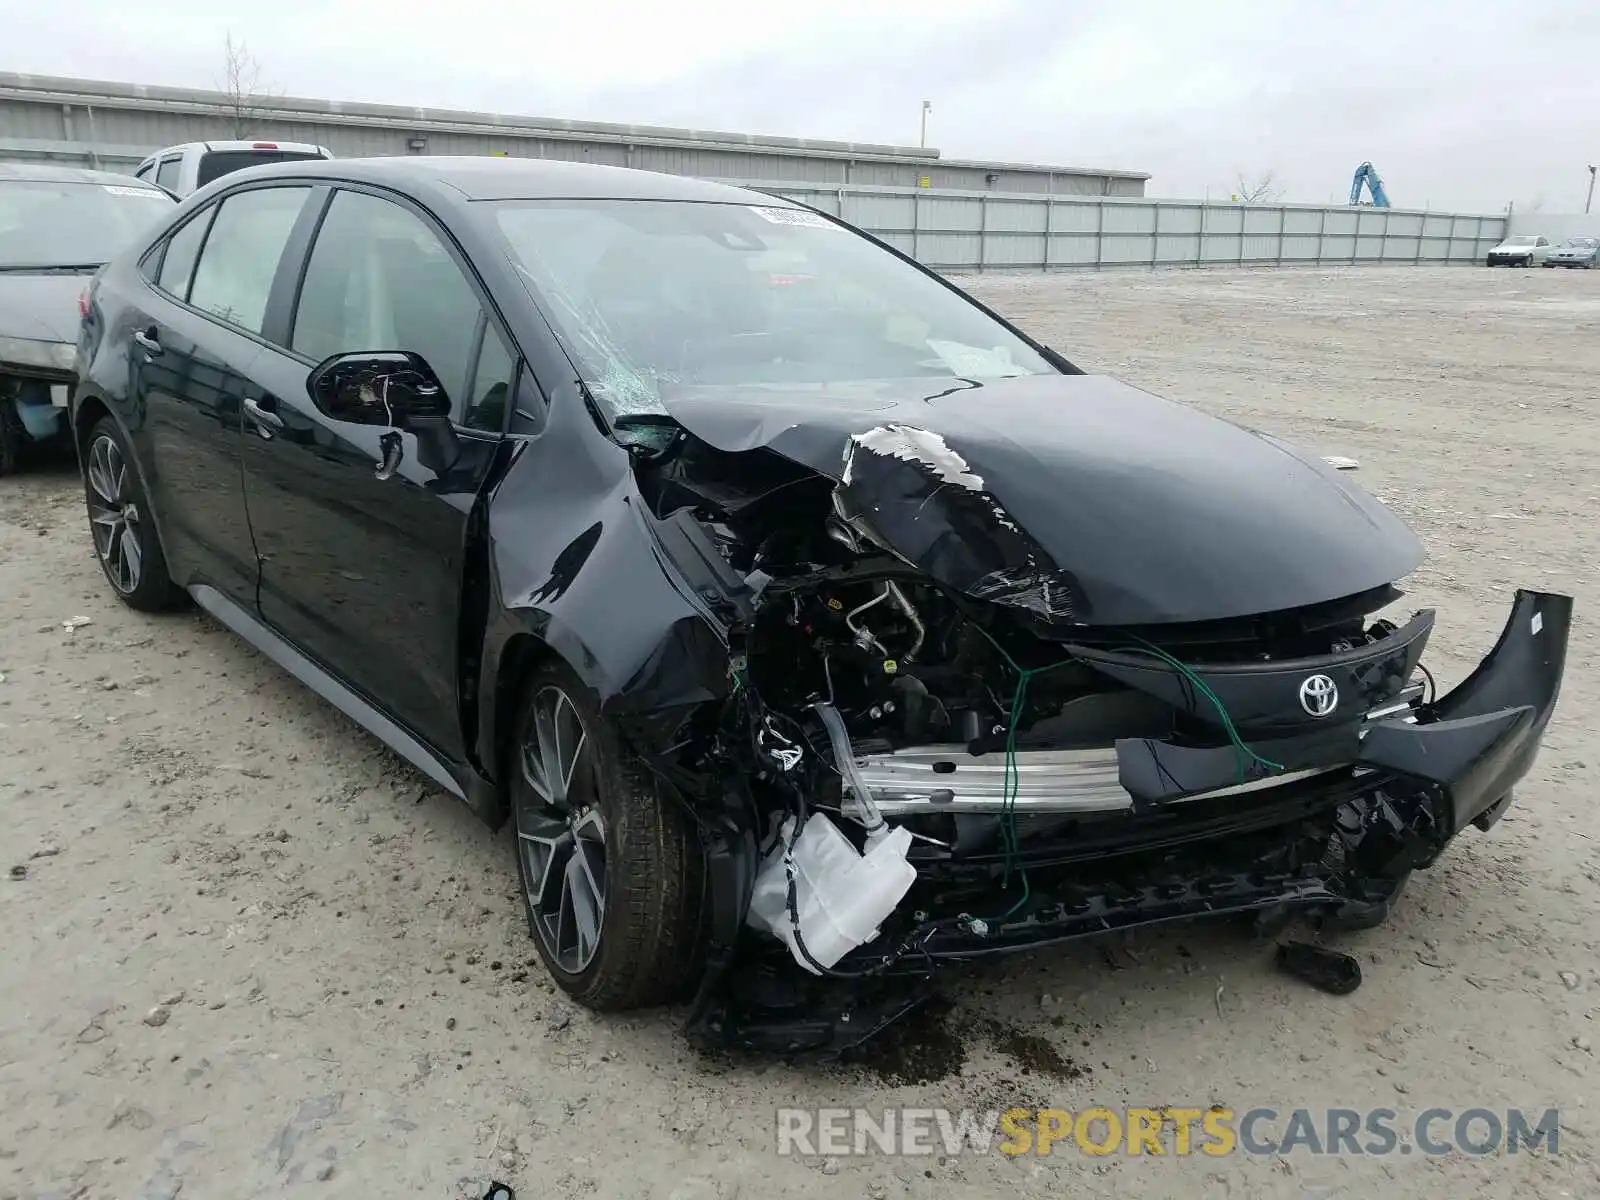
[217, 163]
[167, 173]
[177, 264]
[248, 234]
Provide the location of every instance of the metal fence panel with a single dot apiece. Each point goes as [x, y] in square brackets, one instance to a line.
[1180, 218]
[984, 231]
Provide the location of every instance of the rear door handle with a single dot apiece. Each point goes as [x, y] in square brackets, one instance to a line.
[267, 421]
[147, 342]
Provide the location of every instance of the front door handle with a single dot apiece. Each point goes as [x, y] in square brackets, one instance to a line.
[267, 421]
[147, 341]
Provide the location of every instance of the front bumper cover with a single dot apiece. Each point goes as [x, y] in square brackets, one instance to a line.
[1417, 779]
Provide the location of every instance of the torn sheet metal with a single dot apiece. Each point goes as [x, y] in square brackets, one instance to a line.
[1095, 502]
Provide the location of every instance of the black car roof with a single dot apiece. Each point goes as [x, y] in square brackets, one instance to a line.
[49, 173]
[496, 178]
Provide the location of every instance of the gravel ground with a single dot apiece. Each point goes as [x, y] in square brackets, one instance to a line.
[250, 953]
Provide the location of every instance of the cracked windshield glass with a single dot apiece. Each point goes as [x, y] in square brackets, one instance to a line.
[648, 296]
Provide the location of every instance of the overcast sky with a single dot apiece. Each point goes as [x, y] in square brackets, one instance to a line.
[1463, 104]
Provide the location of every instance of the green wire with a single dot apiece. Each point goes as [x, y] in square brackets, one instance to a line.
[1012, 779]
[1242, 752]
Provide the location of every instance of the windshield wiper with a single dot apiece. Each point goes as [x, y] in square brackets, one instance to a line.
[48, 268]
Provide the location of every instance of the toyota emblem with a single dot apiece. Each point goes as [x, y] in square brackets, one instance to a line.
[1319, 695]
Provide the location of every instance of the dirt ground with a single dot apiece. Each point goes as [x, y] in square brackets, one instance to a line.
[249, 953]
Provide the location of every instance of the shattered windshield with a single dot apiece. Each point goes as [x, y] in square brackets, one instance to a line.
[651, 295]
[58, 224]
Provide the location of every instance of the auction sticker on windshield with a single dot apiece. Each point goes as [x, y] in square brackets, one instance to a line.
[118, 190]
[793, 216]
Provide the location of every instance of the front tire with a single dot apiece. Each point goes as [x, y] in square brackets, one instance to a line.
[611, 869]
[119, 521]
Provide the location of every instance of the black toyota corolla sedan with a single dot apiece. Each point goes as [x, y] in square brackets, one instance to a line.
[814, 627]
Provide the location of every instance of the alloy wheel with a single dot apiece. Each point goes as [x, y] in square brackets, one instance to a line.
[561, 835]
[114, 515]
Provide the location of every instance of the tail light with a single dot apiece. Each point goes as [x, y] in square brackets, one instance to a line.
[264, 146]
[83, 303]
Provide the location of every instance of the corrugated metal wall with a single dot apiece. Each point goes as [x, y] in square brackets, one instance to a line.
[114, 126]
[981, 231]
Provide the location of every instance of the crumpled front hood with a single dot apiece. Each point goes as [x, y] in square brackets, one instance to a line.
[41, 308]
[1077, 497]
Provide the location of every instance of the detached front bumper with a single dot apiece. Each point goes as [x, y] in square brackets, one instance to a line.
[1335, 841]
[1185, 836]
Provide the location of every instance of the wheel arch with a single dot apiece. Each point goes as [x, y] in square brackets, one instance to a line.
[88, 410]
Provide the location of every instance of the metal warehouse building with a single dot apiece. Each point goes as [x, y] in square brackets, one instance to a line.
[113, 126]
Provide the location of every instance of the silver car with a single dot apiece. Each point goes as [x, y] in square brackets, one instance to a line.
[1575, 252]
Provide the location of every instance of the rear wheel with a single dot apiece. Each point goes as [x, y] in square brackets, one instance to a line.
[611, 870]
[119, 519]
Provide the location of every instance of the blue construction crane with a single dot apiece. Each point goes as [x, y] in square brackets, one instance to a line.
[1366, 173]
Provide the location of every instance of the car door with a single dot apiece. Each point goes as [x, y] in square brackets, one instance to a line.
[361, 567]
[193, 343]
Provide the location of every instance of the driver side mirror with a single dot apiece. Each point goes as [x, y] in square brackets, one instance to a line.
[392, 388]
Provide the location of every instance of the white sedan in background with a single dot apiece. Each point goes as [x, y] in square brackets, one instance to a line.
[1523, 250]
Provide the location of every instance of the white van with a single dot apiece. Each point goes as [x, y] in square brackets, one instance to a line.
[183, 169]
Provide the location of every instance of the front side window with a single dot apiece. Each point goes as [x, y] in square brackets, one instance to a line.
[167, 172]
[379, 278]
[45, 223]
[234, 275]
[648, 296]
[492, 381]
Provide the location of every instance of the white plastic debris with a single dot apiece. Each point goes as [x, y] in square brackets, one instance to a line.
[72, 623]
[841, 895]
[1340, 463]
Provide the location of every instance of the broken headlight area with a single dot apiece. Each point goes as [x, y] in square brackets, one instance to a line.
[906, 774]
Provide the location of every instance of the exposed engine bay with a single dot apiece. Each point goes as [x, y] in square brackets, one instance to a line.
[935, 774]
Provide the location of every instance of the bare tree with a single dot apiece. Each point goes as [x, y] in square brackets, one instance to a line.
[241, 84]
[1257, 189]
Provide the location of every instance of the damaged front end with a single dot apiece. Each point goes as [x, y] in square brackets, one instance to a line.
[943, 740]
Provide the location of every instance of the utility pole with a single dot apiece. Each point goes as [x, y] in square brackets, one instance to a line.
[1590, 200]
[927, 107]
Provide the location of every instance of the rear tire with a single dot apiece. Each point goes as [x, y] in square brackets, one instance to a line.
[611, 869]
[120, 523]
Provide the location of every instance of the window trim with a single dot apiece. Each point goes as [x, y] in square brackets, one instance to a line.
[155, 259]
[488, 310]
[170, 158]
